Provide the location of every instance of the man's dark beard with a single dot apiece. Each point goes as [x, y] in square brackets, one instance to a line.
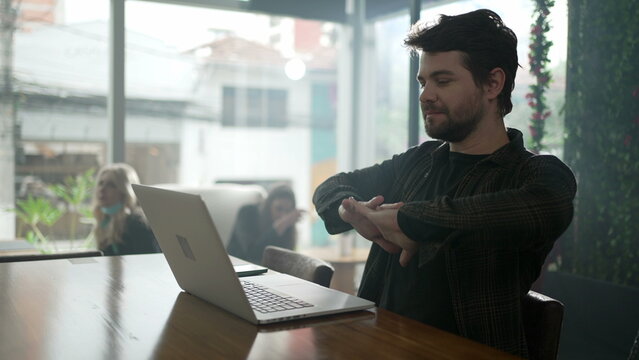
[455, 130]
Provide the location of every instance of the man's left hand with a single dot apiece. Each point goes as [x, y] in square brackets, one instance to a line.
[385, 218]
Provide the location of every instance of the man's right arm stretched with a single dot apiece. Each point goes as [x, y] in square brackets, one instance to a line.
[362, 185]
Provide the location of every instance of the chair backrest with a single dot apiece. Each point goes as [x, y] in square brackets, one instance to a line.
[298, 265]
[223, 202]
[33, 257]
[542, 316]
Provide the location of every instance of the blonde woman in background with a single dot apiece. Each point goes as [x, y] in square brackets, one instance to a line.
[120, 227]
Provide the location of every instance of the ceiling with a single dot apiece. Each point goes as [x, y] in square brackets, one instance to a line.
[325, 10]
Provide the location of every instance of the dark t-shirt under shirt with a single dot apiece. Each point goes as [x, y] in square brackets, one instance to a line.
[423, 293]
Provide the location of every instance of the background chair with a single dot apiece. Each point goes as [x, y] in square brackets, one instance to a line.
[223, 202]
[14, 258]
[542, 317]
[298, 265]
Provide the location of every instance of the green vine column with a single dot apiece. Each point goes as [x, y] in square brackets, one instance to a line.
[538, 60]
[602, 140]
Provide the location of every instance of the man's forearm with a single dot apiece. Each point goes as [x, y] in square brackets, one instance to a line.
[540, 208]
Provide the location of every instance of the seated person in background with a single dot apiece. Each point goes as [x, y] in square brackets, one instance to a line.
[270, 223]
[120, 227]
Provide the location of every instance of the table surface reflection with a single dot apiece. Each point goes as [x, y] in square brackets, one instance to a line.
[130, 307]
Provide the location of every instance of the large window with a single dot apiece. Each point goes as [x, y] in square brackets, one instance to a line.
[212, 95]
[390, 75]
[54, 119]
[223, 96]
[517, 14]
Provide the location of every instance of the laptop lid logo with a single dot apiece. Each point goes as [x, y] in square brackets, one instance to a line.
[186, 249]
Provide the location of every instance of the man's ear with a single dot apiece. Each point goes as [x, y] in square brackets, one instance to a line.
[495, 84]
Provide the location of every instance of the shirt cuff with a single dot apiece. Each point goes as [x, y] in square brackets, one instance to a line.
[333, 223]
[421, 231]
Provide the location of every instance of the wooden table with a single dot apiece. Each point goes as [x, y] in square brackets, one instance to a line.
[130, 307]
[344, 276]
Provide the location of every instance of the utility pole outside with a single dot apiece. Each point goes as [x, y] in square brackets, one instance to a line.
[8, 16]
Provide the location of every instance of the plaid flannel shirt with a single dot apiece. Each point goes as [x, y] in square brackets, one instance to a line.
[503, 216]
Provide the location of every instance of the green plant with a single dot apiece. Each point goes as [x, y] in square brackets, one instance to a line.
[538, 60]
[74, 191]
[34, 211]
[37, 212]
[602, 140]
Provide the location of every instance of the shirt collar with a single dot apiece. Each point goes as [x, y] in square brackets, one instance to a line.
[502, 155]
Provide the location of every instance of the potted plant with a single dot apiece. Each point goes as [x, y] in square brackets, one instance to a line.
[41, 214]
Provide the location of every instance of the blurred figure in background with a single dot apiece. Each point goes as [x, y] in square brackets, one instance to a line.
[34, 186]
[270, 223]
[120, 227]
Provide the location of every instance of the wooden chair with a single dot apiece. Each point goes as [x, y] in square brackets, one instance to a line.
[33, 257]
[298, 265]
[542, 316]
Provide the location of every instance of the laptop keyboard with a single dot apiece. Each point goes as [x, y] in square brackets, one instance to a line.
[264, 301]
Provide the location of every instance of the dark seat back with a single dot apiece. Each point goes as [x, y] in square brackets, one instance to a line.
[542, 316]
[298, 265]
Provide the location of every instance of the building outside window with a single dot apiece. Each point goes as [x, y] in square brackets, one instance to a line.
[254, 107]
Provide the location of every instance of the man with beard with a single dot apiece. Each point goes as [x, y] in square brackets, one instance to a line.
[460, 227]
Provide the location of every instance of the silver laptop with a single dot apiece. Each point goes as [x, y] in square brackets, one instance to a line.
[192, 247]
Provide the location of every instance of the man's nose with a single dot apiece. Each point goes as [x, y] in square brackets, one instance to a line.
[428, 94]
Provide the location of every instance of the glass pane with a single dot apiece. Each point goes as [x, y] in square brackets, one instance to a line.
[391, 90]
[392, 66]
[54, 62]
[517, 14]
[230, 97]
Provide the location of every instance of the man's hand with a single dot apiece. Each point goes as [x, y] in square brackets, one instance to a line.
[348, 212]
[384, 218]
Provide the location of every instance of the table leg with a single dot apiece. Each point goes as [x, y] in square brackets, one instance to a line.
[344, 278]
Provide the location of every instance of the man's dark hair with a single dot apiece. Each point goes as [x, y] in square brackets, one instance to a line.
[483, 38]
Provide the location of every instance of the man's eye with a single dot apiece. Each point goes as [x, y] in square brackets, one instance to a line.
[421, 85]
[443, 81]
